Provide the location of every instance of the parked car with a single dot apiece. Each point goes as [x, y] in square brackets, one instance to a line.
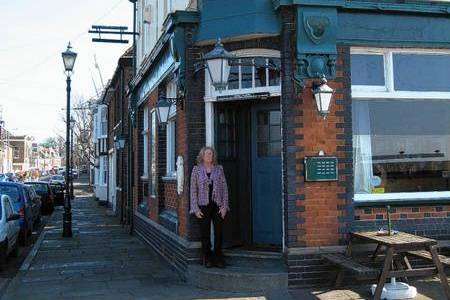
[75, 174]
[58, 192]
[44, 190]
[57, 179]
[35, 202]
[8, 177]
[9, 229]
[22, 205]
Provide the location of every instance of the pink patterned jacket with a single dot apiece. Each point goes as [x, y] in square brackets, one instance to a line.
[200, 188]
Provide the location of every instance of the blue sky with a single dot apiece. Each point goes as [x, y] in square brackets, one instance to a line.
[33, 35]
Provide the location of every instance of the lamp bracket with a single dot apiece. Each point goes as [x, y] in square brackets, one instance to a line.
[179, 102]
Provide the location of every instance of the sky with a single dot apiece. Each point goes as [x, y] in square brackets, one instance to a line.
[33, 33]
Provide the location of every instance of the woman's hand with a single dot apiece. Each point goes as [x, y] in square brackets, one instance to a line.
[199, 214]
[223, 212]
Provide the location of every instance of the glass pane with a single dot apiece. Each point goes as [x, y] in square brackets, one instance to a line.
[263, 118]
[367, 69]
[260, 72]
[233, 79]
[275, 149]
[274, 71]
[419, 72]
[262, 149]
[275, 117]
[275, 133]
[247, 73]
[263, 133]
[405, 145]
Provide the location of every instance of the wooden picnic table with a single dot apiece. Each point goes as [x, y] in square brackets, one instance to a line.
[396, 247]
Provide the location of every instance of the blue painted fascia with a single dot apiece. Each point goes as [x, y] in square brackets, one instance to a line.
[381, 6]
[236, 19]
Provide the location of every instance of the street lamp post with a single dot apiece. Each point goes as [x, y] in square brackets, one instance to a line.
[72, 127]
[69, 58]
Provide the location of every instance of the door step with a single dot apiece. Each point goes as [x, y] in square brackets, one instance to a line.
[252, 254]
[241, 274]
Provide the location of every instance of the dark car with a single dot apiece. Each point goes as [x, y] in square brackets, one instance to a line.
[44, 190]
[35, 202]
[22, 205]
[58, 192]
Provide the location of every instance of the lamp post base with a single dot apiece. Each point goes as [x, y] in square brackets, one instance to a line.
[67, 224]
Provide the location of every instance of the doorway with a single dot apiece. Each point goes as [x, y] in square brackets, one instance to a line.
[248, 143]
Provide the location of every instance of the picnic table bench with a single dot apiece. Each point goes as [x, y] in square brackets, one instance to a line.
[395, 248]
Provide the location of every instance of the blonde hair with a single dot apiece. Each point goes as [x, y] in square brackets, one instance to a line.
[201, 155]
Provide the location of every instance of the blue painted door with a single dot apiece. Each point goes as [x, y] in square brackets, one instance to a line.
[266, 174]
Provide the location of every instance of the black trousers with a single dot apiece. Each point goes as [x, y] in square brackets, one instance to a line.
[211, 213]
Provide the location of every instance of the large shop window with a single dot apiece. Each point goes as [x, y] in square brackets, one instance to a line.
[145, 133]
[401, 144]
[153, 185]
[171, 92]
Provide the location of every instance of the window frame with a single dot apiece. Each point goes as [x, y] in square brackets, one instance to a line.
[388, 92]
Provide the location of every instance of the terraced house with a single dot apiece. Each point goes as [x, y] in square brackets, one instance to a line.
[322, 114]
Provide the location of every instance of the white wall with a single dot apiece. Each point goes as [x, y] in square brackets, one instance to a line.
[151, 15]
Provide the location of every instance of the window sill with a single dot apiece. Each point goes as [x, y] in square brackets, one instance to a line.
[169, 178]
[401, 198]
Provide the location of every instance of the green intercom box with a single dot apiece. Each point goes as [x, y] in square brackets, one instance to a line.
[321, 168]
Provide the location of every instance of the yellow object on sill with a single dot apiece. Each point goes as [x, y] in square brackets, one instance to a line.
[379, 190]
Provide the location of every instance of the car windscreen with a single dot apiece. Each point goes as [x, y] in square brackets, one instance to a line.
[56, 177]
[12, 191]
[39, 187]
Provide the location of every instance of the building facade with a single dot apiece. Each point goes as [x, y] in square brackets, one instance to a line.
[300, 176]
[22, 152]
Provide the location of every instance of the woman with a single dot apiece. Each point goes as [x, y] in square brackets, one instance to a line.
[209, 202]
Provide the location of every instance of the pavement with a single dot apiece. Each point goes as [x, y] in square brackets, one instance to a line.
[102, 261]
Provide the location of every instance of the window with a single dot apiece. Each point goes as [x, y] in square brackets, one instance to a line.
[145, 133]
[268, 133]
[171, 92]
[171, 142]
[255, 72]
[401, 133]
[153, 154]
[105, 170]
[104, 122]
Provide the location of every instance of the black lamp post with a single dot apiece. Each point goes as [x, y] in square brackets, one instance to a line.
[72, 127]
[69, 58]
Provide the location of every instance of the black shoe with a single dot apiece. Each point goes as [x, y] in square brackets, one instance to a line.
[219, 263]
[207, 262]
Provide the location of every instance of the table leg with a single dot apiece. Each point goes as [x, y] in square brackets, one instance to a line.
[407, 263]
[399, 265]
[375, 253]
[384, 274]
[440, 269]
[340, 275]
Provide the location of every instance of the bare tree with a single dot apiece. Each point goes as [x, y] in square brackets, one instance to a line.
[83, 148]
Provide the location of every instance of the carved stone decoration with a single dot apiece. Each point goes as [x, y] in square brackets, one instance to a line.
[180, 175]
[315, 27]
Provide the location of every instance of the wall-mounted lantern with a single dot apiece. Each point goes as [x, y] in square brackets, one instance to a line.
[164, 107]
[323, 95]
[218, 65]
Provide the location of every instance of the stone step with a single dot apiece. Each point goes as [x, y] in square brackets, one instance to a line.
[241, 274]
[252, 254]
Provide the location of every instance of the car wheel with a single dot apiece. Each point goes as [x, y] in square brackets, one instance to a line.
[3, 253]
[15, 250]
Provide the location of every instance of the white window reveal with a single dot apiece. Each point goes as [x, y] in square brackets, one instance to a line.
[256, 71]
[401, 117]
